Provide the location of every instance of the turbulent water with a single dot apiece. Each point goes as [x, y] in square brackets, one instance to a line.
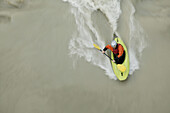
[37, 74]
[81, 43]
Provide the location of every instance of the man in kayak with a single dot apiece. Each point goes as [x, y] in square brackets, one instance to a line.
[118, 52]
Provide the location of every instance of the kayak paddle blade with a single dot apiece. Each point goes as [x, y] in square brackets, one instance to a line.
[122, 68]
[96, 46]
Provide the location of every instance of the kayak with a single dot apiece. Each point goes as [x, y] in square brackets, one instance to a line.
[119, 74]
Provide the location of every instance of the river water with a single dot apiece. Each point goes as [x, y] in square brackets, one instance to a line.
[48, 62]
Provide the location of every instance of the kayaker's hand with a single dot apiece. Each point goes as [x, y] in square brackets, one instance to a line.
[113, 60]
[103, 52]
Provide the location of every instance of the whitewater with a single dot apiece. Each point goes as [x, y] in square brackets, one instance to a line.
[37, 75]
[81, 42]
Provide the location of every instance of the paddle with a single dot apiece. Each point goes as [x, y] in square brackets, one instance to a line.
[120, 67]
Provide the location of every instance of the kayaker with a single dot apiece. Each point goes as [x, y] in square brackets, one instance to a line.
[118, 51]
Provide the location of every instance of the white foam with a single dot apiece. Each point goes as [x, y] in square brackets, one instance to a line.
[137, 41]
[81, 43]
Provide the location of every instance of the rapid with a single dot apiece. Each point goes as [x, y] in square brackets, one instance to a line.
[87, 33]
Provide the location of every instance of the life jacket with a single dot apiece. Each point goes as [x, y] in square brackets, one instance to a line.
[118, 51]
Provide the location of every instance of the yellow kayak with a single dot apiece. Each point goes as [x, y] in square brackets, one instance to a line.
[121, 75]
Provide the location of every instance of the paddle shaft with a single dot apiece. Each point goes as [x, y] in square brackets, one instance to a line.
[107, 55]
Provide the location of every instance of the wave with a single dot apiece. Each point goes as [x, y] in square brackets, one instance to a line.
[81, 43]
[137, 41]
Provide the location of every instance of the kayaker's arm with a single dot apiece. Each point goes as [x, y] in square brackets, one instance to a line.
[104, 50]
[106, 47]
[121, 50]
